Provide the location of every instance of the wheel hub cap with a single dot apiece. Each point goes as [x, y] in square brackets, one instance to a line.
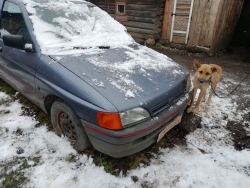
[67, 127]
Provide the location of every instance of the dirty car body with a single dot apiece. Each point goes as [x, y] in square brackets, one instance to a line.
[81, 67]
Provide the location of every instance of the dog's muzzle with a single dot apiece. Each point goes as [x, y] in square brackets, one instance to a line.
[202, 81]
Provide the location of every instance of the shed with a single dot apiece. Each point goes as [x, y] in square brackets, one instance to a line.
[142, 18]
[200, 25]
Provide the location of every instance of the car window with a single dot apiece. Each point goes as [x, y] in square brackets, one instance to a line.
[12, 21]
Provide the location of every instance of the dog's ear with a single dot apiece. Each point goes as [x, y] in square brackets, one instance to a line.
[197, 63]
[214, 69]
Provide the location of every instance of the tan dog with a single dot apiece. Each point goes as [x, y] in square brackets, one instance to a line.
[205, 75]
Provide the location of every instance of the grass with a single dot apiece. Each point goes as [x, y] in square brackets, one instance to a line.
[44, 119]
[71, 158]
[12, 174]
[4, 87]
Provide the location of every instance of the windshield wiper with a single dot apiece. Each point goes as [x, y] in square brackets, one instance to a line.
[84, 48]
[104, 47]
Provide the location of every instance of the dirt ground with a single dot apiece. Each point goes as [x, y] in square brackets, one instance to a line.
[235, 64]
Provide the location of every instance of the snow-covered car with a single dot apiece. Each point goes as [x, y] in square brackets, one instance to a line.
[99, 86]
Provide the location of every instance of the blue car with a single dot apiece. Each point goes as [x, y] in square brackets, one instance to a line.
[81, 67]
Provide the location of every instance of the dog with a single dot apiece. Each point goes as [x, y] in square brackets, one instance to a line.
[205, 75]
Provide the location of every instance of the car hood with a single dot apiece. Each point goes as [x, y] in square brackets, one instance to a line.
[129, 76]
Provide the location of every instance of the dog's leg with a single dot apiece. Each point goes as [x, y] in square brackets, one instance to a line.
[204, 97]
[196, 108]
[213, 87]
[192, 101]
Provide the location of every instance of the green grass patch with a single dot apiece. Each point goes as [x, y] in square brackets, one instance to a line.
[44, 119]
[4, 87]
[71, 158]
[12, 174]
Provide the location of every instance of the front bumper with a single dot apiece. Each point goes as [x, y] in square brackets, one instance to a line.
[135, 138]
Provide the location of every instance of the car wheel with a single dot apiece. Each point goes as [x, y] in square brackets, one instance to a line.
[67, 123]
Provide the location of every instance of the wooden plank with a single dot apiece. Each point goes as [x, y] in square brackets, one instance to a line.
[218, 22]
[166, 20]
[138, 30]
[141, 7]
[143, 19]
[148, 14]
[144, 36]
[206, 35]
[199, 49]
[196, 22]
[179, 39]
[106, 6]
[102, 1]
[140, 25]
[205, 23]
[109, 11]
[144, 2]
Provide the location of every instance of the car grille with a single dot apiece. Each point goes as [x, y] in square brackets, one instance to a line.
[167, 103]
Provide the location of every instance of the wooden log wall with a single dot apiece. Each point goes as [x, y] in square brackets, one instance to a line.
[144, 16]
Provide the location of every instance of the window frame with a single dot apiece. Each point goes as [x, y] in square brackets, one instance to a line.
[121, 16]
[118, 3]
[21, 29]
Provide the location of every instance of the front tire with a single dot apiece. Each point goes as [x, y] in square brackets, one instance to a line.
[67, 123]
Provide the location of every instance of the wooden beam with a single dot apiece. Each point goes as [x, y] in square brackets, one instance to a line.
[144, 36]
[217, 24]
[142, 19]
[148, 14]
[166, 17]
[139, 25]
[179, 39]
[138, 30]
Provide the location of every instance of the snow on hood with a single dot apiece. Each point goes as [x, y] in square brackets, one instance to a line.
[61, 25]
[130, 72]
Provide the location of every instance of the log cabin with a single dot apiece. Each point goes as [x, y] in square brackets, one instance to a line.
[143, 19]
[198, 25]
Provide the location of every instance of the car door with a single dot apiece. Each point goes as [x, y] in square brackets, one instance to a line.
[17, 67]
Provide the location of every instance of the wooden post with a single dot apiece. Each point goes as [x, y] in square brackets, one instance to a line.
[217, 25]
[166, 16]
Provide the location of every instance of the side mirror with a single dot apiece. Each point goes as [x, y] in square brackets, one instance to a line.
[16, 41]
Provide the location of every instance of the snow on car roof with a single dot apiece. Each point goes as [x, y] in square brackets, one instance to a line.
[61, 25]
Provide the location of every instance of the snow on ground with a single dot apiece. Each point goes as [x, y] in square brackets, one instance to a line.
[208, 160]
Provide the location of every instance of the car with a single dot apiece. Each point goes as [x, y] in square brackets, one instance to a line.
[81, 67]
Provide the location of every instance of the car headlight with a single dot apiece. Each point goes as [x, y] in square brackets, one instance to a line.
[134, 115]
[188, 85]
[117, 121]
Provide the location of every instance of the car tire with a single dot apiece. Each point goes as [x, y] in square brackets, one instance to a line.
[67, 123]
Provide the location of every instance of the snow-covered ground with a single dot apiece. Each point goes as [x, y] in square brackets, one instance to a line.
[208, 160]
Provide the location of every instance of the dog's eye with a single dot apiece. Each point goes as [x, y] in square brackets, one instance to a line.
[201, 72]
[207, 73]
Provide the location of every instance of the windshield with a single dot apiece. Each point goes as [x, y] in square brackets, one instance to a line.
[68, 27]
